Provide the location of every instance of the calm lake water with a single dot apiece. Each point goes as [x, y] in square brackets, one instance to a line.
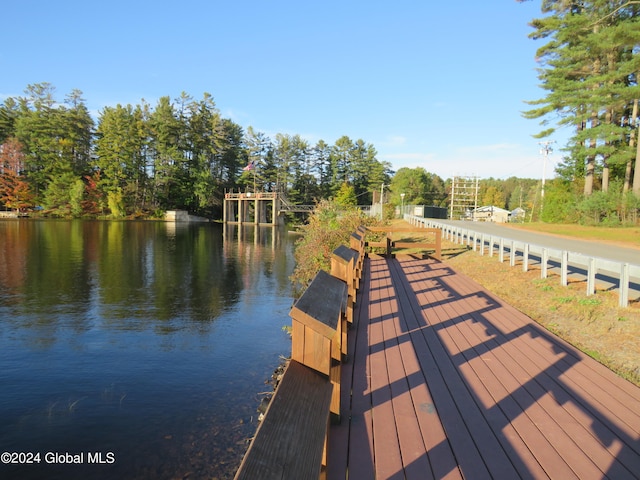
[137, 349]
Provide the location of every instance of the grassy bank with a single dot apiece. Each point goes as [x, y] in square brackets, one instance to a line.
[623, 236]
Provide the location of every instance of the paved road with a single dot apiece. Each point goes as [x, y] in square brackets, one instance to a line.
[591, 248]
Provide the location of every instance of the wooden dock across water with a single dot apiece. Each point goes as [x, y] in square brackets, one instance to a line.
[444, 380]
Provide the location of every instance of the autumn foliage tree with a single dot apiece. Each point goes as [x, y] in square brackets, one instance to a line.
[14, 189]
[92, 203]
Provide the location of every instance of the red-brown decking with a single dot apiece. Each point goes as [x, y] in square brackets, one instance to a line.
[444, 380]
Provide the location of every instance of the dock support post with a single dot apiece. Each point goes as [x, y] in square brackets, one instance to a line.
[224, 208]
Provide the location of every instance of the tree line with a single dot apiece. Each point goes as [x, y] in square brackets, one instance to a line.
[140, 160]
[183, 154]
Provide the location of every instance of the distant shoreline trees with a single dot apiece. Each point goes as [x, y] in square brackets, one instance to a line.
[140, 160]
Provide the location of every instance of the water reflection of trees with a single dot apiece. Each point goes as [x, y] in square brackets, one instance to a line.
[133, 275]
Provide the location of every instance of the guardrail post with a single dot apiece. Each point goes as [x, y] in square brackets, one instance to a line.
[591, 276]
[512, 254]
[564, 268]
[472, 239]
[544, 263]
[623, 299]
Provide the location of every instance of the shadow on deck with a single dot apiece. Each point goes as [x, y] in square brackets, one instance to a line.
[444, 380]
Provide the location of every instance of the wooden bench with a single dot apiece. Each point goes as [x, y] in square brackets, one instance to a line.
[343, 261]
[316, 333]
[290, 442]
[356, 242]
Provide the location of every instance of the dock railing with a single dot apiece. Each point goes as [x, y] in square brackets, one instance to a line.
[587, 266]
[291, 440]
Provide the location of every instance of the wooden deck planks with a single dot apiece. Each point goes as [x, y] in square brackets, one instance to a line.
[503, 412]
[484, 440]
[385, 440]
[592, 400]
[587, 450]
[414, 461]
[351, 443]
[570, 421]
[488, 391]
[587, 376]
[450, 382]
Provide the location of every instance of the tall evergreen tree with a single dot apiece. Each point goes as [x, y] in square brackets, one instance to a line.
[120, 150]
[258, 147]
[166, 132]
[340, 159]
[200, 154]
[9, 111]
[284, 156]
[321, 162]
[79, 127]
[589, 68]
[56, 140]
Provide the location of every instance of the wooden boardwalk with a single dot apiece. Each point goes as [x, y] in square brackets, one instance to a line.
[444, 380]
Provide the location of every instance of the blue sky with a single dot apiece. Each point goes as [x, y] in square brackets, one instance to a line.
[440, 86]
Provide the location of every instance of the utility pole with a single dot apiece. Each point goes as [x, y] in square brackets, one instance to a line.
[545, 150]
[381, 202]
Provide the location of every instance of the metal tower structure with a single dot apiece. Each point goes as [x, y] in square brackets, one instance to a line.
[464, 198]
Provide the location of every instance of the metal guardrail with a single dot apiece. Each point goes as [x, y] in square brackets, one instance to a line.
[625, 276]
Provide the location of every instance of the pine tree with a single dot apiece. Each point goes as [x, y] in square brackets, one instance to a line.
[120, 146]
[589, 68]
